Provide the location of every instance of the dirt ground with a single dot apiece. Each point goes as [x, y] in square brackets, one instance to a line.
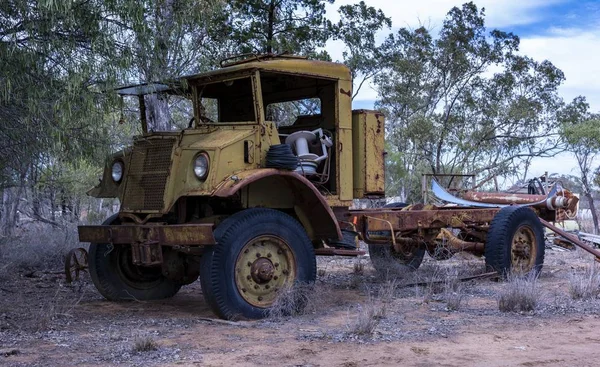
[44, 322]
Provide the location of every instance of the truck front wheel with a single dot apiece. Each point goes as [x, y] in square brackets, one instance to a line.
[116, 278]
[258, 253]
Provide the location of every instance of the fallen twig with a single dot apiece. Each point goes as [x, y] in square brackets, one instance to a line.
[462, 279]
[226, 322]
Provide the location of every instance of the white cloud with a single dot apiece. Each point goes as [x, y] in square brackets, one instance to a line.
[576, 53]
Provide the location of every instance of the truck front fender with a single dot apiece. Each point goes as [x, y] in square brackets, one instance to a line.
[310, 206]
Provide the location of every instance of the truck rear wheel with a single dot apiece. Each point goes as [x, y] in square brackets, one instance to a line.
[385, 259]
[515, 242]
[116, 278]
[258, 253]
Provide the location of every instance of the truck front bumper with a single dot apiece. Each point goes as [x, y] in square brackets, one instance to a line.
[163, 235]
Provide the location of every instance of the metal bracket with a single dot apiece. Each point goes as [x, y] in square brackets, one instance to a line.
[366, 232]
[147, 253]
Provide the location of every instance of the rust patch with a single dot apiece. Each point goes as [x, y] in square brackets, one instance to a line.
[165, 235]
[348, 93]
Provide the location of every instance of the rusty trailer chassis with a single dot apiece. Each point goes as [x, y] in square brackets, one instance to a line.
[399, 227]
[406, 228]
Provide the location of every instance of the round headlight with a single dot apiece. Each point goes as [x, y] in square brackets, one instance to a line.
[117, 171]
[201, 166]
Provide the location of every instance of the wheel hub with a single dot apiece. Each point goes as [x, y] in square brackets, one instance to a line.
[262, 270]
[265, 265]
[523, 248]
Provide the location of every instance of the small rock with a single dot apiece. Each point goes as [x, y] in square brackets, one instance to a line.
[9, 352]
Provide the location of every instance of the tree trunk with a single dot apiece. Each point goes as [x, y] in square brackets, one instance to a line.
[5, 221]
[157, 113]
[52, 204]
[270, 27]
[11, 200]
[590, 199]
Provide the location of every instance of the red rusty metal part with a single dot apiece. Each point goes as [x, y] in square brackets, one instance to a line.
[307, 197]
[165, 235]
[502, 197]
[572, 238]
[413, 220]
[455, 244]
[338, 252]
[563, 199]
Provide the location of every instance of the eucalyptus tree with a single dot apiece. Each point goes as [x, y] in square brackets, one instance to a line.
[466, 101]
[56, 57]
[581, 131]
[357, 29]
[276, 26]
[50, 54]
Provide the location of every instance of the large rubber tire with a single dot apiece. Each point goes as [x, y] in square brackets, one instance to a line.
[385, 259]
[236, 236]
[515, 242]
[117, 279]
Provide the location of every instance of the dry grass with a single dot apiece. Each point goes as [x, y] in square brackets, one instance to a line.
[297, 300]
[454, 293]
[369, 316]
[520, 294]
[144, 344]
[373, 310]
[359, 267]
[585, 284]
[443, 284]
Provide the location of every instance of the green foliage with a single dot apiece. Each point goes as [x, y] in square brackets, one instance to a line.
[449, 113]
[271, 26]
[581, 131]
[357, 28]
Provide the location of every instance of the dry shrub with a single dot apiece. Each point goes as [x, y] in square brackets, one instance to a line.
[60, 307]
[38, 247]
[297, 300]
[443, 284]
[433, 276]
[369, 316]
[359, 267]
[144, 344]
[520, 294]
[585, 285]
[373, 311]
[454, 292]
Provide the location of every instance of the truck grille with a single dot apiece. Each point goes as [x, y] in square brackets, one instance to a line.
[147, 175]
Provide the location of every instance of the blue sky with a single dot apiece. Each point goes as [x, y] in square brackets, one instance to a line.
[565, 32]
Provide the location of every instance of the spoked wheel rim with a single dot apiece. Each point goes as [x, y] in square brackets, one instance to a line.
[139, 277]
[265, 265]
[523, 250]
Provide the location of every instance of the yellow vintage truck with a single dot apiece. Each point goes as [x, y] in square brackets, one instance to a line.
[245, 201]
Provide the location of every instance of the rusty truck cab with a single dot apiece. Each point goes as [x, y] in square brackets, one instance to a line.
[189, 196]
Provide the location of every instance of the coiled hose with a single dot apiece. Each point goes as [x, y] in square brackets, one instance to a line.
[280, 156]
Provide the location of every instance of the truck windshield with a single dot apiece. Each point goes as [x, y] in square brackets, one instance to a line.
[229, 101]
[168, 112]
[160, 107]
